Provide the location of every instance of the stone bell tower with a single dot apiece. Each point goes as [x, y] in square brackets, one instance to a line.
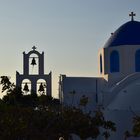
[38, 82]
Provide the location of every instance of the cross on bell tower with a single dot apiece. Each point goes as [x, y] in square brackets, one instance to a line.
[34, 78]
[132, 14]
[34, 48]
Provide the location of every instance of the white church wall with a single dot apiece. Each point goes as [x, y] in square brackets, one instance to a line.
[87, 86]
[113, 76]
[124, 106]
[123, 120]
[128, 96]
[127, 62]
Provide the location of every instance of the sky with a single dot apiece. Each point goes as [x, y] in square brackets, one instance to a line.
[70, 32]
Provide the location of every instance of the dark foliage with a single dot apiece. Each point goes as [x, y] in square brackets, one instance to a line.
[28, 117]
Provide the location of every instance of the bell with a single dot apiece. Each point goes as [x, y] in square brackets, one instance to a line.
[26, 89]
[41, 88]
[33, 62]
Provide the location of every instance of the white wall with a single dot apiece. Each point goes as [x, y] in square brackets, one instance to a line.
[127, 62]
[87, 86]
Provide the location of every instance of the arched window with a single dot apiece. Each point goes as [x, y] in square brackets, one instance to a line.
[26, 86]
[101, 68]
[33, 64]
[137, 61]
[41, 87]
[114, 62]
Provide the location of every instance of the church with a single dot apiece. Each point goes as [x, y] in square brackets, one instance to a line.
[117, 88]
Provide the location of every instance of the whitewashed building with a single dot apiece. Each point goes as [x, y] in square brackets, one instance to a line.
[117, 88]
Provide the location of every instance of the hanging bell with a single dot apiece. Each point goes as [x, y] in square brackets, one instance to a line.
[41, 88]
[33, 61]
[26, 89]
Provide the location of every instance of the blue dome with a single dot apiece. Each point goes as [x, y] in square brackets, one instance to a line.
[127, 34]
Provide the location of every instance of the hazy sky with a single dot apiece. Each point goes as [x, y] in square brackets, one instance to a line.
[70, 32]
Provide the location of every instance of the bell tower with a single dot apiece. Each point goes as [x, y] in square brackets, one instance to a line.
[33, 76]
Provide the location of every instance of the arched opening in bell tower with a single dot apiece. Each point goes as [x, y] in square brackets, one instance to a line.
[41, 87]
[26, 86]
[33, 64]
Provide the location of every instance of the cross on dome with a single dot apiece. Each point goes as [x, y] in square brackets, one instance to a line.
[132, 14]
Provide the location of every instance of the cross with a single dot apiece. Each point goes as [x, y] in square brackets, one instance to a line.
[34, 48]
[132, 14]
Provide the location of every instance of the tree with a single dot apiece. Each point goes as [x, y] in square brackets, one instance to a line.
[135, 129]
[6, 84]
[32, 118]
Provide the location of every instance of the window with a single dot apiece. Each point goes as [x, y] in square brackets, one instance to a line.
[101, 68]
[114, 62]
[137, 61]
